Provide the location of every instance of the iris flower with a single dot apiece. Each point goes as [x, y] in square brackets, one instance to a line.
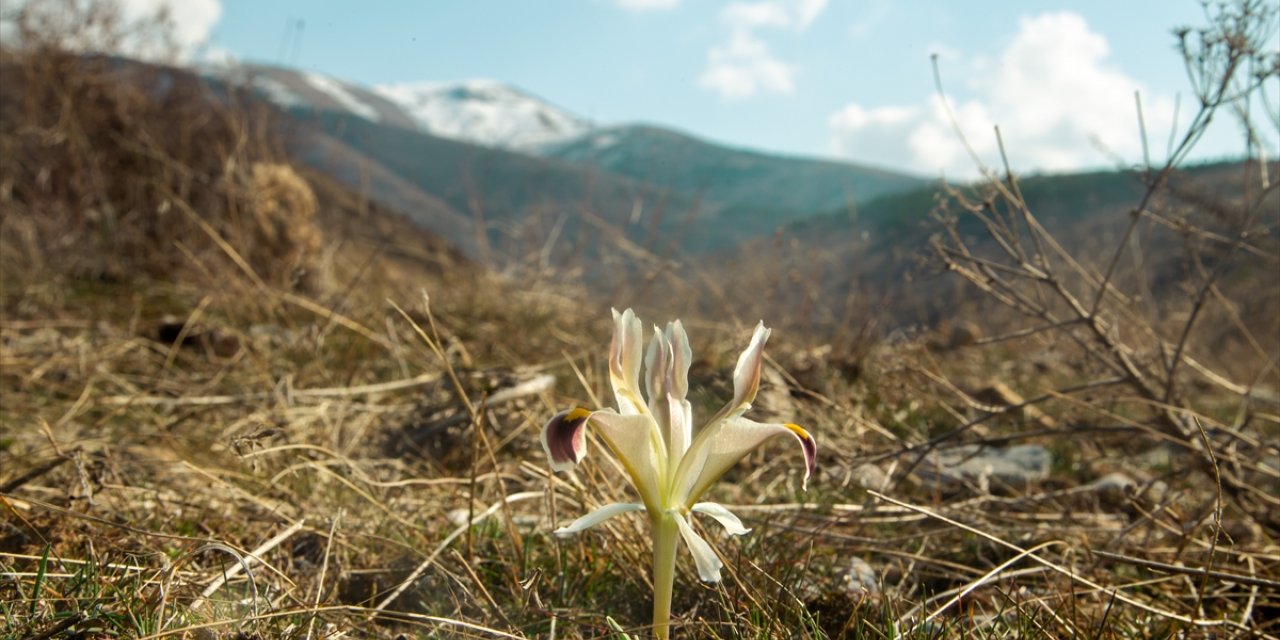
[670, 465]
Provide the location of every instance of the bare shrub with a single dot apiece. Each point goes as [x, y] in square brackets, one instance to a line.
[1155, 335]
[112, 168]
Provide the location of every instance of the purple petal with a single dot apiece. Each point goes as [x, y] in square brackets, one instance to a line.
[564, 438]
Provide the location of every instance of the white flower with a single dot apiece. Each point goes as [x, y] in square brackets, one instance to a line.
[669, 466]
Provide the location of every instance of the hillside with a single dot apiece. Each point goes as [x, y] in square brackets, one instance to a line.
[530, 156]
[521, 198]
[883, 258]
[745, 188]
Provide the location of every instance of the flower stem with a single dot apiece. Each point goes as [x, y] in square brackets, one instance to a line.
[666, 536]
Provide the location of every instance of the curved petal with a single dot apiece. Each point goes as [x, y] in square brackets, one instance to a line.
[703, 555]
[746, 374]
[667, 383]
[564, 438]
[679, 410]
[732, 525]
[596, 517]
[624, 362]
[638, 445]
[680, 431]
[681, 357]
[725, 443]
[657, 362]
[746, 377]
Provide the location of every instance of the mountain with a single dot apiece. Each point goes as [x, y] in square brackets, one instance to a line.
[498, 154]
[523, 203]
[760, 190]
[298, 90]
[485, 112]
[881, 257]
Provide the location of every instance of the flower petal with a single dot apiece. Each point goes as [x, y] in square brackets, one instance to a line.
[564, 439]
[746, 377]
[638, 445]
[703, 555]
[596, 517]
[657, 362]
[624, 362]
[667, 383]
[679, 410]
[681, 357]
[724, 443]
[732, 525]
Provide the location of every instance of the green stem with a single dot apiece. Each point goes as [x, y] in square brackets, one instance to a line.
[666, 537]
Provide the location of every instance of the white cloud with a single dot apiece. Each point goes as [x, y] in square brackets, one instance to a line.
[188, 25]
[648, 5]
[1051, 91]
[806, 11]
[192, 20]
[745, 65]
[744, 16]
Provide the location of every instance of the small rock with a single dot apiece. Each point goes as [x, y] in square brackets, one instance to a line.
[1115, 481]
[1114, 488]
[860, 579]
[1018, 465]
[871, 476]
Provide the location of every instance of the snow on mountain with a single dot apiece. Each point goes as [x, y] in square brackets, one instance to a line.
[339, 94]
[485, 112]
[276, 91]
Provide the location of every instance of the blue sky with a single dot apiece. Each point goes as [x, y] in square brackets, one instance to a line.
[824, 78]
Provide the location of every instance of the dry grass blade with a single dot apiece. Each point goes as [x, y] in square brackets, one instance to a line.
[1057, 568]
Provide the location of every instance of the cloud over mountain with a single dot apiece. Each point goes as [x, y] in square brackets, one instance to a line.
[746, 65]
[1058, 101]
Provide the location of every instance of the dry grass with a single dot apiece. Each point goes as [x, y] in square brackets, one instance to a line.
[213, 444]
[341, 469]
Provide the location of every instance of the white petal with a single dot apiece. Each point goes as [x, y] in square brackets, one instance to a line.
[746, 375]
[680, 430]
[723, 444]
[638, 445]
[681, 412]
[681, 358]
[624, 362]
[599, 515]
[703, 555]
[732, 525]
[657, 364]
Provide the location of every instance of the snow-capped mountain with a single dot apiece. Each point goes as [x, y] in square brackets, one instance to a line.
[291, 89]
[485, 112]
